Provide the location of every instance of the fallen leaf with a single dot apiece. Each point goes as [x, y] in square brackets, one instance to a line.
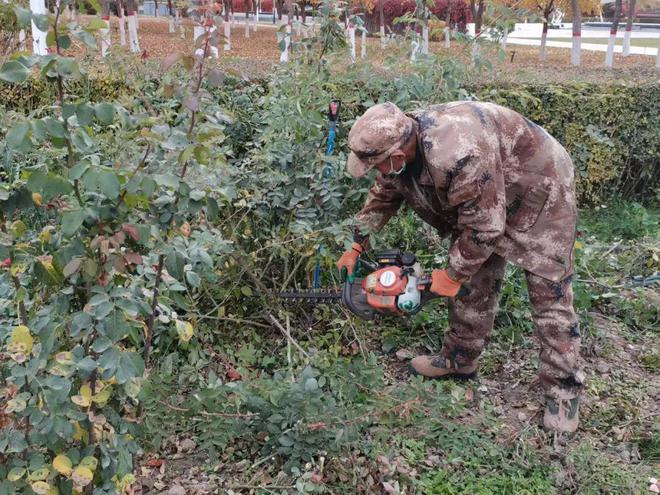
[232, 374]
[404, 354]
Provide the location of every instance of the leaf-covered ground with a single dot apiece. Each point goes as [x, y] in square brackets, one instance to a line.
[390, 433]
[255, 56]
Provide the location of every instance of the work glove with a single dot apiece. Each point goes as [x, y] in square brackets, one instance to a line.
[443, 285]
[349, 259]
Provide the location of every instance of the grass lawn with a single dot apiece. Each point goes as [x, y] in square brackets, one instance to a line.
[650, 42]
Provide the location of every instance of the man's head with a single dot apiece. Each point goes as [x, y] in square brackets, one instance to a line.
[382, 138]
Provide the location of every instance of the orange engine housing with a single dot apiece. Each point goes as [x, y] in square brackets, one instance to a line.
[383, 286]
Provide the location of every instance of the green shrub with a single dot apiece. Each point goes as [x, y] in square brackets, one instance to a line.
[36, 93]
[610, 131]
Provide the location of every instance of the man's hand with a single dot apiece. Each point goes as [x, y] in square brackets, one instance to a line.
[349, 259]
[443, 285]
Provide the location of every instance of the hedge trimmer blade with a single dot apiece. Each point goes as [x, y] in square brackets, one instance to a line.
[315, 296]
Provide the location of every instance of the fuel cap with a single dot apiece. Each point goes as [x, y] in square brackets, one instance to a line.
[388, 278]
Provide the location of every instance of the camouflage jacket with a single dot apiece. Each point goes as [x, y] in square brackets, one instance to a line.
[495, 181]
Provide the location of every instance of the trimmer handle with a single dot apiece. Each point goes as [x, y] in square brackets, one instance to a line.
[426, 282]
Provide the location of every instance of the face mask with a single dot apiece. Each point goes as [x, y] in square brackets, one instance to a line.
[392, 173]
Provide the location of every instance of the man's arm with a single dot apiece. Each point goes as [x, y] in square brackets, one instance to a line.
[476, 188]
[382, 203]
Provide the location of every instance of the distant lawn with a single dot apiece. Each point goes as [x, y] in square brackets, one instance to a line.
[650, 42]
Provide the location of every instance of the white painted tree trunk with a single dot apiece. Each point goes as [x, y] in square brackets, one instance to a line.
[227, 27]
[425, 40]
[383, 40]
[505, 37]
[21, 40]
[284, 54]
[415, 47]
[609, 57]
[256, 17]
[106, 42]
[197, 32]
[247, 24]
[122, 24]
[351, 42]
[133, 40]
[576, 46]
[38, 37]
[70, 13]
[447, 36]
[475, 51]
[178, 22]
[212, 50]
[657, 56]
[626, 42]
[170, 25]
[363, 48]
[576, 49]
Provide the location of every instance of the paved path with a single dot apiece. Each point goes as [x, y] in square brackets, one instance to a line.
[533, 30]
[585, 45]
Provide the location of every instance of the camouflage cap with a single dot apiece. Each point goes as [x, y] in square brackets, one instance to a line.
[375, 136]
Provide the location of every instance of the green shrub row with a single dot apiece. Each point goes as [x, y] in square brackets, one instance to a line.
[612, 132]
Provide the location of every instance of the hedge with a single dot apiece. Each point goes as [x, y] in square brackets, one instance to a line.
[611, 131]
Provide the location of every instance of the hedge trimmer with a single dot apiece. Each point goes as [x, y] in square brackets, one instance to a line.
[393, 284]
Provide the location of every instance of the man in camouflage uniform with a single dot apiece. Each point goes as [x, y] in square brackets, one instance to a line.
[503, 189]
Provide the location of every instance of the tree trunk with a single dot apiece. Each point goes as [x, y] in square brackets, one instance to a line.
[284, 55]
[577, 33]
[363, 48]
[448, 25]
[351, 41]
[425, 31]
[122, 23]
[477, 15]
[106, 42]
[505, 36]
[629, 23]
[609, 57]
[248, 6]
[133, 39]
[155, 8]
[38, 37]
[544, 37]
[657, 56]
[227, 25]
[171, 23]
[381, 15]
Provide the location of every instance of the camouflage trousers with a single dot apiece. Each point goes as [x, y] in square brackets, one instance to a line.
[471, 321]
